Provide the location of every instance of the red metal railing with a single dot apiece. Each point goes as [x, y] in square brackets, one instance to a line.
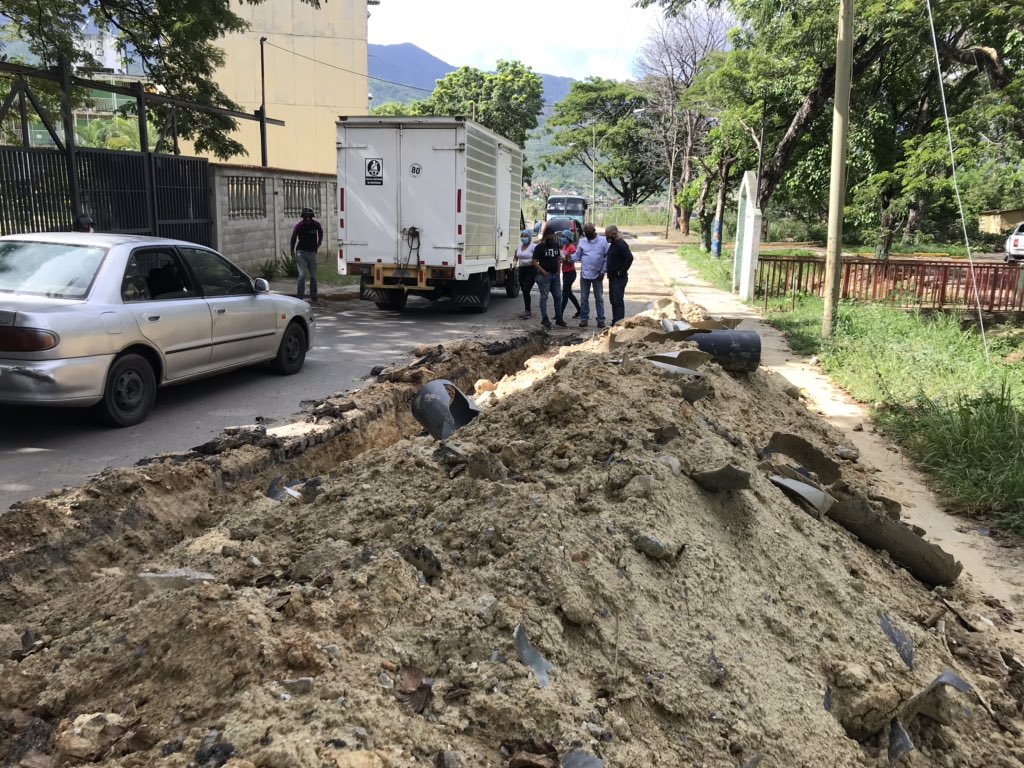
[909, 283]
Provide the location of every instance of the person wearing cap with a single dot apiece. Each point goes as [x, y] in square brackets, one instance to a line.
[84, 223]
[307, 237]
[527, 273]
[568, 271]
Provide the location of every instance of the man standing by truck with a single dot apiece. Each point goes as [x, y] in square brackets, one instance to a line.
[307, 237]
[592, 253]
[620, 259]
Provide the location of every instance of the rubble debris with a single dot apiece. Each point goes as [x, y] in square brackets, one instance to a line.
[927, 562]
[725, 478]
[581, 760]
[531, 657]
[655, 548]
[788, 608]
[150, 583]
[900, 742]
[900, 639]
[442, 408]
[815, 497]
[806, 453]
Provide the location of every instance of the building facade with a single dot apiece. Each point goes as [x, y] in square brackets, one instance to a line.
[315, 70]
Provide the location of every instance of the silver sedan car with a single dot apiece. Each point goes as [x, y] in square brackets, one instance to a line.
[103, 320]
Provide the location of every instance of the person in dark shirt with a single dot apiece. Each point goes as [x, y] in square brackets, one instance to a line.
[546, 260]
[620, 259]
[307, 236]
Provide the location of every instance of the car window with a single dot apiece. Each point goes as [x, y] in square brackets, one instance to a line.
[48, 269]
[155, 275]
[217, 276]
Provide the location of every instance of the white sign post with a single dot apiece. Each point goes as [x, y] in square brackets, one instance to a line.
[748, 239]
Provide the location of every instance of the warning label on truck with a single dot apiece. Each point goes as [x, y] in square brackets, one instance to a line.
[375, 171]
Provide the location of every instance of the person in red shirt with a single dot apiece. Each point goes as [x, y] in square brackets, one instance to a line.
[568, 270]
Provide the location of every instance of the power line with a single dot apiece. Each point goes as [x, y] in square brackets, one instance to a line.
[350, 71]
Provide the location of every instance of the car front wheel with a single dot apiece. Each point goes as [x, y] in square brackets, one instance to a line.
[292, 352]
[129, 393]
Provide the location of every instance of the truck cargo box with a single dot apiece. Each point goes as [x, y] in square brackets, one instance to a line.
[428, 206]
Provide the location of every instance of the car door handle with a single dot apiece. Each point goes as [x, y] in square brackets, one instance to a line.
[220, 311]
[152, 318]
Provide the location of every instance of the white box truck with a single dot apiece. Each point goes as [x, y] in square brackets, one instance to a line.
[427, 206]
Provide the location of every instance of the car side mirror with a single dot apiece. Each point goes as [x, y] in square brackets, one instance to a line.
[260, 285]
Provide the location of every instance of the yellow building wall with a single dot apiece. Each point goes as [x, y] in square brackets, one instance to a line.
[308, 95]
[1000, 222]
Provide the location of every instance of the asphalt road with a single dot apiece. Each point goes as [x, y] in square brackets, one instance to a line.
[46, 448]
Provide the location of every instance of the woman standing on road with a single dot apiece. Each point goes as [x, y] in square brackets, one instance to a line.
[527, 272]
[568, 270]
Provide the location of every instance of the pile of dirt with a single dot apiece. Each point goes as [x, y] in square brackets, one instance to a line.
[595, 571]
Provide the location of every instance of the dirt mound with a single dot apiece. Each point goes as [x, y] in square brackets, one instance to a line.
[551, 586]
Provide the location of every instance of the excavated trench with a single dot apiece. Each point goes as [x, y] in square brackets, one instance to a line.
[122, 516]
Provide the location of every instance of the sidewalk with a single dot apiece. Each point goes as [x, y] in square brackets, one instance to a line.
[996, 568]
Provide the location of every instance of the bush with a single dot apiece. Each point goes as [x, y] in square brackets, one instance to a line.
[268, 269]
[287, 265]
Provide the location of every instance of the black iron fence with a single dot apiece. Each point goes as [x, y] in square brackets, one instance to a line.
[124, 192]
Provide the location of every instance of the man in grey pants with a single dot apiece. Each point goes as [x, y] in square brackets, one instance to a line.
[307, 237]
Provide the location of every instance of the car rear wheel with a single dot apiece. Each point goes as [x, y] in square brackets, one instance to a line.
[129, 393]
[292, 353]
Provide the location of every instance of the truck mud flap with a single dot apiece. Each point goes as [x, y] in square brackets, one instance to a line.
[368, 293]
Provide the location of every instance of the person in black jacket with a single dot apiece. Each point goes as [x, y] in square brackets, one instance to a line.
[547, 259]
[620, 259]
[307, 236]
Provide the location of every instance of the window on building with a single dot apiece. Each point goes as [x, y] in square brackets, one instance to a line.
[247, 197]
[301, 194]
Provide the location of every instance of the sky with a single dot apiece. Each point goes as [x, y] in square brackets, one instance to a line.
[604, 40]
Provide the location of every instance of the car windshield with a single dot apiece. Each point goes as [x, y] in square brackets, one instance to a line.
[57, 270]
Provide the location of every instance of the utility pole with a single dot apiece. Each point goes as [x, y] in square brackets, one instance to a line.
[263, 105]
[593, 181]
[837, 190]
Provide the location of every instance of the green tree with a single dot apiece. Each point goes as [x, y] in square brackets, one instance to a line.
[175, 40]
[782, 64]
[507, 101]
[596, 125]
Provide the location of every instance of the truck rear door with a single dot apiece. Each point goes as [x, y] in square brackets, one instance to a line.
[371, 178]
[503, 203]
[430, 198]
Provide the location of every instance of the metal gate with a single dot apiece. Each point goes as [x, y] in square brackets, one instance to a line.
[125, 192]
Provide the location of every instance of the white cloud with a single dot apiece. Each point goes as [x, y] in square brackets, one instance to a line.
[574, 38]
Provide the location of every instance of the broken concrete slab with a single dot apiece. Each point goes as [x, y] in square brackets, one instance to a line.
[816, 497]
[806, 453]
[726, 478]
[926, 562]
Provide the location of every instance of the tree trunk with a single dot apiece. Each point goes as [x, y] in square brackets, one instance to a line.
[702, 214]
[883, 248]
[684, 219]
[724, 167]
[914, 220]
[823, 90]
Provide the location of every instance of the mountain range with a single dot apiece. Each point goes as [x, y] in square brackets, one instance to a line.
[412, 74]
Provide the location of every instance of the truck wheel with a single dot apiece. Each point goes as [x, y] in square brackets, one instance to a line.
[481, 287]
[512, 287]
[395, 303]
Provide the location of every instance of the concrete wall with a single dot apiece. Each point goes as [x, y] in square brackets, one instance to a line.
[250, 239]
[320, 74]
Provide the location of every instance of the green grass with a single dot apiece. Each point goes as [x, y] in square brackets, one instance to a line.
[931, 390]
[791, 253]
[718, 272]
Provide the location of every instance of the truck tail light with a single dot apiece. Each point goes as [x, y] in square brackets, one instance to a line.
[458, 201]
[341, 199]
[341, 254]
[26, 340]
